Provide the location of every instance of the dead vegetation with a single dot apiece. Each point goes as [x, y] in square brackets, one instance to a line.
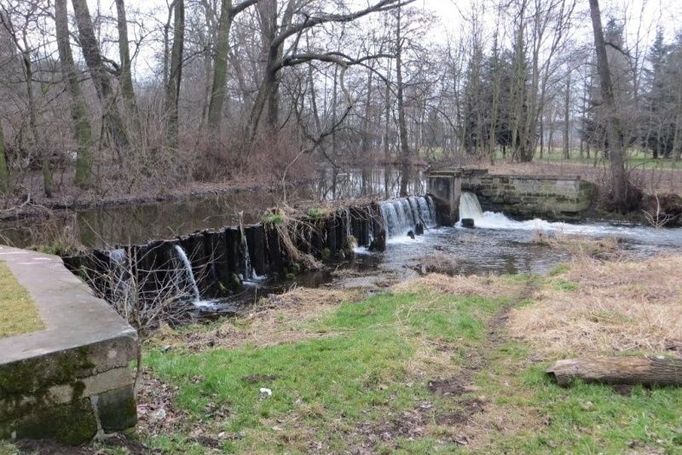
[437, 263]
[487, 286]
[581, 247]
[274, 320]
[606, 307]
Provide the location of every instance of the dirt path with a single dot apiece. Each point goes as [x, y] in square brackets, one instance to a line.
[471, 406]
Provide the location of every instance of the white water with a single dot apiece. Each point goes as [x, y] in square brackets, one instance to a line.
[402, 215]
[189, 275]
[469, 207]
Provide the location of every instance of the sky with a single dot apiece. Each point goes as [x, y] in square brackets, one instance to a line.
[643, 17]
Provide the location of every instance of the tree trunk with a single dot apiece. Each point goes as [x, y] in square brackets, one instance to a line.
[405, 158]
[387, 128]
[79, 114]
[618, 370]
[613, 128]
[126, 77]
[567, 118]
[4, 172]
[111, 117]
[366, 130]
[175, 76]
[33, 123]
[215, 106]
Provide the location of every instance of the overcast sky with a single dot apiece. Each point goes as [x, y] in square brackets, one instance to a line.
[643, 17]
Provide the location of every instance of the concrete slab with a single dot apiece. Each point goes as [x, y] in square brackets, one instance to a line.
[64, 370]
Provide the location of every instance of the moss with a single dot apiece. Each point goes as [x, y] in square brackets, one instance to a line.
[73, 423]
[18, 313]
[34, 377]
[317, 213]
[273, 218]
[117, 409]
[325, 254]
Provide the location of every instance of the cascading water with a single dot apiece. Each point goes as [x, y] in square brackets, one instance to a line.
[247, 268]
[188, 274]
[469, 207]
[402, 215]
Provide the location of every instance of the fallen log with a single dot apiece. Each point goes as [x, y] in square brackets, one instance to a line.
[646, 371]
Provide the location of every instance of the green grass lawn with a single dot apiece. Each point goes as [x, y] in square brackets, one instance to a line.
[432, 366]
[18, 314]
[365, 381]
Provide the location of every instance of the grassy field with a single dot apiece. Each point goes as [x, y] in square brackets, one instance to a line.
[17, 312]
[435, 365]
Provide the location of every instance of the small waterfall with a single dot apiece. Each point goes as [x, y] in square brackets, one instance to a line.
[247, 267]
[188, 274]
[427, 211]
[469, 207]
[402, 215]
[120, 274]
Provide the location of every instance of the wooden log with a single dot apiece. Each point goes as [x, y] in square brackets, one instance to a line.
[646, 371]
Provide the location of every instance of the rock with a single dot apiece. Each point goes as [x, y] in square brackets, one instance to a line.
[467, 223]
[419, 229]
[265, 393]
[410, 234]
[379, 242]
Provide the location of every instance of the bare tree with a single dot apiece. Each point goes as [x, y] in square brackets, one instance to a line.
[125, 72]
[175, 76]
[4, 172]
[614, 133]
[111, 116]
[79, 115]
[217, 97]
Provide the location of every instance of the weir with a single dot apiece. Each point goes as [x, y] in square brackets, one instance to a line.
[213, 264]
[521, 196]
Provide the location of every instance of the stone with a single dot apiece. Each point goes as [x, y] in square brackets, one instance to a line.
[467, 223]
[73, 423]
[116, 409]
[51, 379]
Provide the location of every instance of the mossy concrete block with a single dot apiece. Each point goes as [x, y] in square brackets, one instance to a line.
[51, 380]
[117, 409]
[72, 423]
[550, 197]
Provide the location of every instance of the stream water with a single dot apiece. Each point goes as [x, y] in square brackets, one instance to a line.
[497, 244]
[136, 224]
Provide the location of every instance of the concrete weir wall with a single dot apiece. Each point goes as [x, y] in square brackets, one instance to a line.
[521, 196]
[222, 259]
[72, 379]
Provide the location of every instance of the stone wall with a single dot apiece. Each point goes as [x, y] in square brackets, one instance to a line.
[73, 379]
[549, 197]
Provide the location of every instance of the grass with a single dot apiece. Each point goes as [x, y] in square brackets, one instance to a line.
[606, 307]
[334, 389]
[17, 312]
[359, 377]
[434, 365]
[530, 414]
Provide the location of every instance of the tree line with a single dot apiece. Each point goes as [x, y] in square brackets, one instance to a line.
[133, 98]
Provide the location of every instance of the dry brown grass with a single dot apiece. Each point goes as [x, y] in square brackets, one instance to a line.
[582, 247]
[274, 320]
[488, 286]
[605, 308]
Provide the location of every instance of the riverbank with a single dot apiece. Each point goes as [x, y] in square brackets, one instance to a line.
[436, 364]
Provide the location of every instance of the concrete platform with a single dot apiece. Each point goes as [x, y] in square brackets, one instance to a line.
[72, 379]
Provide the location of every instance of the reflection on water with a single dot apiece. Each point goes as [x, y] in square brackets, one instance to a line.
[380, 183]
[124, 225]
